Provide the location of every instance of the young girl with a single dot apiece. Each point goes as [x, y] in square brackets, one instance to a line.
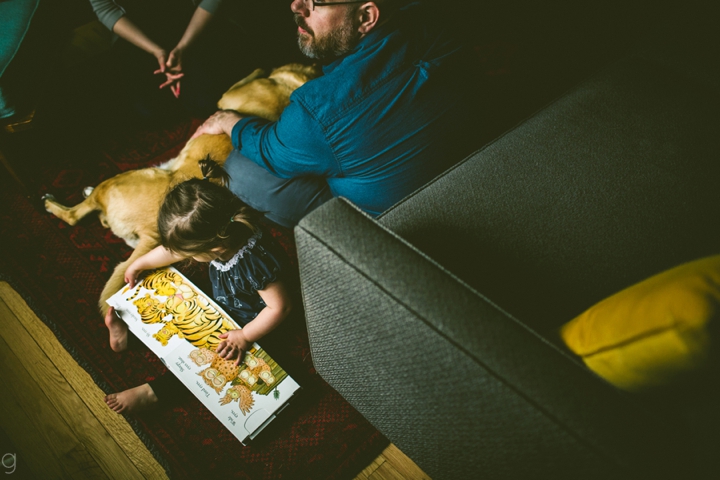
[207, 222]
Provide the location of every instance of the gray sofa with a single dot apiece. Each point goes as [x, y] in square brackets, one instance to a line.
[439, 320]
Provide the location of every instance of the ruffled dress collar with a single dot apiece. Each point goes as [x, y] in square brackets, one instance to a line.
[225, 266]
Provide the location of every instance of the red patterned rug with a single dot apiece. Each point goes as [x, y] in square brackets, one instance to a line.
[60, 271]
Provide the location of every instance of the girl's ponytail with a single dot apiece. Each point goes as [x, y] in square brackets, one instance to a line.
[199, 215]
[245, 216]
[211, 169]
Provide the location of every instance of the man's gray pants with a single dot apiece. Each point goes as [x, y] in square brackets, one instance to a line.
[282, 200]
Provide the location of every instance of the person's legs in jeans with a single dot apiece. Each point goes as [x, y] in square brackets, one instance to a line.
[15, 17]
[283, 201]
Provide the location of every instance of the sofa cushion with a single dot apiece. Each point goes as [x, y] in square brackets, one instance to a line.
[612, 183]
[433, 365]
[652, 332]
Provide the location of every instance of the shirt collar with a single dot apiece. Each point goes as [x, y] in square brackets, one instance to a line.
[369, 40]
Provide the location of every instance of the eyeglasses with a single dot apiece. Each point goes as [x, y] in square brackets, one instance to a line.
[311, 4]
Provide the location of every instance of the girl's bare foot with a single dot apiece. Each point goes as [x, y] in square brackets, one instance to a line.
[132, 400]
[118, 331]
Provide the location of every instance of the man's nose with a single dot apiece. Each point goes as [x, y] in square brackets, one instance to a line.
[300, 7]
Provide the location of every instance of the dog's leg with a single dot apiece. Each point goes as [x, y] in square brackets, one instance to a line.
[70, 215]
[117, 279]
[227, 101]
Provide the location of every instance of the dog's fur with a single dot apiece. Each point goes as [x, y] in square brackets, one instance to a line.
[128, 203]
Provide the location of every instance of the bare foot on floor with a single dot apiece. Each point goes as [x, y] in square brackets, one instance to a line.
[118, 331]
[132, 400]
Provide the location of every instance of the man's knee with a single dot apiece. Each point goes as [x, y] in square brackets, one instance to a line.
[284, 201]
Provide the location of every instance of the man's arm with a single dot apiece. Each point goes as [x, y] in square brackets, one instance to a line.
[295, 145]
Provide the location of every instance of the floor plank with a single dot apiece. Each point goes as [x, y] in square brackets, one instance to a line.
[404, 466]
[44, 440]
[367, 471]
[387, 471]
[108, 436]
[12, 464]
[392, 463]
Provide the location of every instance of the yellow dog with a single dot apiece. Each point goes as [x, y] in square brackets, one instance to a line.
[128, 203]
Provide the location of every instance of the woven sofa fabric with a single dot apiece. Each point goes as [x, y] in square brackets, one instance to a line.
[434, 365]
[612, 183]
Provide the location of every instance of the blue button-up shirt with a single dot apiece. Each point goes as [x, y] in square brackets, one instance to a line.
[379, 123]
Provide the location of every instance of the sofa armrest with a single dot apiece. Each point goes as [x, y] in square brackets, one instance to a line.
[456, 383]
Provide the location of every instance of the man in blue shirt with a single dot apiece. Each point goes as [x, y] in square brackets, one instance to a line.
[390, 112]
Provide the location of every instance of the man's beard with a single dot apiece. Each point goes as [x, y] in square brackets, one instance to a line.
[332, 45]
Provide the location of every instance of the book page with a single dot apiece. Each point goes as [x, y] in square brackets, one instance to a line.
[182, 326]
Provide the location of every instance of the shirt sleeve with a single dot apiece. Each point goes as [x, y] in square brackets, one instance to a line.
[293, 146]
[210, 6]
[107, 11]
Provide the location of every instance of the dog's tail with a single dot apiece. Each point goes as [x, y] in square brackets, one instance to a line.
[117, 279]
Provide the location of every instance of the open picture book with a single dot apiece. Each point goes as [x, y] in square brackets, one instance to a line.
[182, 326]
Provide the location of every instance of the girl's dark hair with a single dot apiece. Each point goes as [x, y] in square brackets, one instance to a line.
[199, 215]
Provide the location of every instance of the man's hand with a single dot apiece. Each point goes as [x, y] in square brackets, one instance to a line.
[234, 345]
[219, 122]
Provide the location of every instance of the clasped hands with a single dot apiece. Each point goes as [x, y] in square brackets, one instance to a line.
[171, 66]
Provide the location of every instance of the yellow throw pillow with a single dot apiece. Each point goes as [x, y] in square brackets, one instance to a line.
[652, 332]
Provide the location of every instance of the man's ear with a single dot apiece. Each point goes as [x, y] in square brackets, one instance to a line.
[369, 17]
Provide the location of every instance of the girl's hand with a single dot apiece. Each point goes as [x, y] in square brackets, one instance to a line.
[234, 345]
[155, 258]
[132, 273]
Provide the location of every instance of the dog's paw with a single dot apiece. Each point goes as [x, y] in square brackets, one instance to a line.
[46, 200]
[87, 191]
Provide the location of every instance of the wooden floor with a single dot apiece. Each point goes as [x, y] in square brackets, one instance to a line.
[54, 423]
